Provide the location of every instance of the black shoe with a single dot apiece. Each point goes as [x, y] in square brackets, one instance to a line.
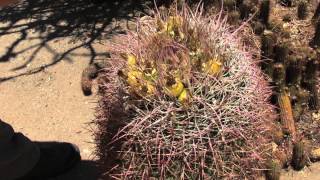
[55, 159]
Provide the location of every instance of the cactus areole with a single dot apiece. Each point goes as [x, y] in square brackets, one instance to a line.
[188, 102]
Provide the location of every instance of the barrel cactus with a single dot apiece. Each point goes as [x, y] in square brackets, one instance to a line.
[182, 98]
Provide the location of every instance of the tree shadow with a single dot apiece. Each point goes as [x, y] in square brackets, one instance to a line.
[84, 21]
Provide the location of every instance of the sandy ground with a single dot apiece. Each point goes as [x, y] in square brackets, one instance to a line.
[49, 105]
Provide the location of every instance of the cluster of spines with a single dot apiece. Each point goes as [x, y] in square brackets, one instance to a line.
[293, 75]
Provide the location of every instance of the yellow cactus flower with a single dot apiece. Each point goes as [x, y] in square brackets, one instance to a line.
[133, 77]
[145, 90]
[171, 27]
[150, 88]
[132, 60]
[176, 89]
[212, 67]
[184, 96]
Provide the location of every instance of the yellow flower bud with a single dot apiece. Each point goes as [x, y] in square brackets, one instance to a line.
[151, 88]
[212, 67]
[176, 89]
[184, 96]
[132, 60]
[133, 77]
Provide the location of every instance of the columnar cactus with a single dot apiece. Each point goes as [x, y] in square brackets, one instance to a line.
[302, 9]
[265, 11]
[301, 151]
[317, 13]
[268, 41]
[286, 114]
[316, 38]
[274, 171]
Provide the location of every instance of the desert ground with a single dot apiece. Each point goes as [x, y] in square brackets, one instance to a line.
[49, 105]
[41, 61]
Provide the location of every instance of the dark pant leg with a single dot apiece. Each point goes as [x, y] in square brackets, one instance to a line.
[18, 154]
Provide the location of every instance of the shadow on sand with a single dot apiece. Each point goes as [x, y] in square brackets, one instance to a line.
[82, 21]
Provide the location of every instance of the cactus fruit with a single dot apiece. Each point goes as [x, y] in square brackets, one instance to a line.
[286, 114]
[194, 125]
[265, 11]
[273, 169]
[87, 77]
[300, 157]
[302, 9]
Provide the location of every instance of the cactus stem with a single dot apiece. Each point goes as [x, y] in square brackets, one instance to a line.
[274, 170]
[286, 114]
[302, 9]
[317, 13]
[316, 38]
[300, 155]
[265, 11]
